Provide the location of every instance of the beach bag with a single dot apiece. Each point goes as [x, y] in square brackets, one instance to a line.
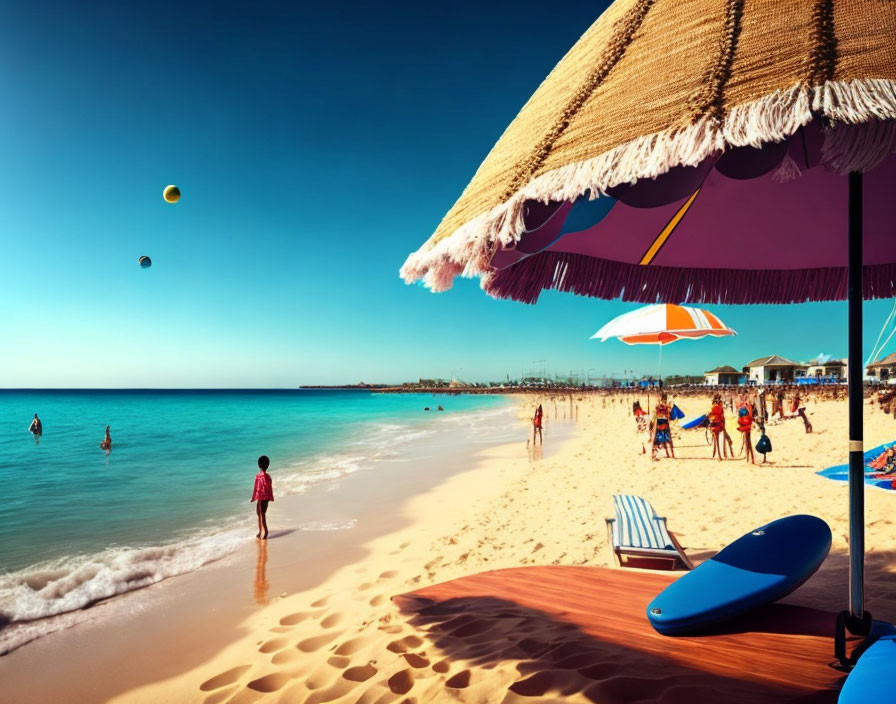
[677, 413]
[764, 445]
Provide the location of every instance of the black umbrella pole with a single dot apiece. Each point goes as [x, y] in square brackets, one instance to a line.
[858, 621]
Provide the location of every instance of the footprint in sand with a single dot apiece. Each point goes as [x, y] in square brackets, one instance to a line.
[220, 696]
[273, 645]
[320, 602]
[310, 645]
[442, 667]
[285, 657]
[404, 545]
[535, 686]
[280, 629]
[404, 644]
[350, 647]
[293, 619]
[401, 682]
[416, 661]
[459, 681]
[339, 662]
[359, 674]
[225, 678]
[332, 620]
[365, 586]
[378, 599]
[388, 574]
[269, 683]
[322, 677]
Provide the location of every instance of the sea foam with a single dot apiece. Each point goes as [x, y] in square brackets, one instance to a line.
[69, 584]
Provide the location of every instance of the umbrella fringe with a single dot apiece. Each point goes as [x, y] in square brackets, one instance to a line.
[601, 278]
[852, 144]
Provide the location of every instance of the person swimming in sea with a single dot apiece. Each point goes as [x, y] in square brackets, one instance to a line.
[263, 493]
[106, 444]
[36, 426]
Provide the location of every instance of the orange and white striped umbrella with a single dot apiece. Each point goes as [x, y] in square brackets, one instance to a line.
[662, 324]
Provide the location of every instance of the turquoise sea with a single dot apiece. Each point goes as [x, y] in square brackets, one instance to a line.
[78, 525]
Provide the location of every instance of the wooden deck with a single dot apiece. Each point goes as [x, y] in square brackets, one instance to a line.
[592, 620]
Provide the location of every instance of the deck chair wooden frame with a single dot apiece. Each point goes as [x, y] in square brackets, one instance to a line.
[637, 532]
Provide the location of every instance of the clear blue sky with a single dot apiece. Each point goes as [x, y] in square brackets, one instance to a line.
[316, 145]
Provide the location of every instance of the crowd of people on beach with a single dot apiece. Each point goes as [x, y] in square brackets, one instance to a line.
[885, 401]
[754, 408]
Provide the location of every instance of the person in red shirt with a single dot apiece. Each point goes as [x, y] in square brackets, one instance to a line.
[745, 426]
[263, 493]
[536, 425]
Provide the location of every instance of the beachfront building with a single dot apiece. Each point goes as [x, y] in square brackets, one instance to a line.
[884, 369]
[725, 375]
[774, 369]
[832, 371]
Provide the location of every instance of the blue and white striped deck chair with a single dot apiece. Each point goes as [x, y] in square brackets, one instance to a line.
[638, 532]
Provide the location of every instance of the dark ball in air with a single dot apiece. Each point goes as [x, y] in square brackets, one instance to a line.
[145, 262]
[171, 194]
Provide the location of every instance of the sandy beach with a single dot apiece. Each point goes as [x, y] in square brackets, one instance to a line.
[344, 640]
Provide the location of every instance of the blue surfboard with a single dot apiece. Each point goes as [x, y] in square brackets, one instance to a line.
[756, 569]
[695, 423]
[871, 680]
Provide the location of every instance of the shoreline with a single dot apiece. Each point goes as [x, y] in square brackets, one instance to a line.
[208, 605]
[345, 641]
[51, 574]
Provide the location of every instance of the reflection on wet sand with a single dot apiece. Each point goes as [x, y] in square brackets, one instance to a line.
[261, 580]
[535, 452]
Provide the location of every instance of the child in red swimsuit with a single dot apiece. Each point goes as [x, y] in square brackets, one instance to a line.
[263, 493]
[745, 426]
[536, 425]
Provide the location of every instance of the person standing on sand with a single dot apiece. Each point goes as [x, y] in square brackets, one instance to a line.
[795, 402]
[106, 444]
[721, 441]
[662, 434]
[536, 425]
[763, 406]
[263, 493]
[745, 426]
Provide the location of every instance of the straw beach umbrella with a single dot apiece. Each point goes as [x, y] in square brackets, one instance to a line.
[734, 152]
[661, 325]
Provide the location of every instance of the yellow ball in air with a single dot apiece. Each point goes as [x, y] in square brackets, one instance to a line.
[171, 194]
